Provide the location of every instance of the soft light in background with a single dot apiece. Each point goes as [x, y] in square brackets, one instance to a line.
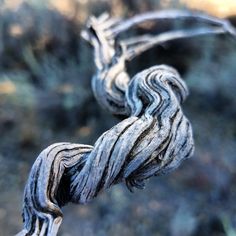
[45, 97]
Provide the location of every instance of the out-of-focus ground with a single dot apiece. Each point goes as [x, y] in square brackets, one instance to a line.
[45, 97]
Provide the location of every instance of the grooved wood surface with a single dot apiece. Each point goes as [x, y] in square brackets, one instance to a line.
[153, 138]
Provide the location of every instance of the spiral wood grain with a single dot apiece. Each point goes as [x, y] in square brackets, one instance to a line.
[153, 139]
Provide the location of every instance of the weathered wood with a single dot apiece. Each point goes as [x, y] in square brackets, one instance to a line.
[154, 138]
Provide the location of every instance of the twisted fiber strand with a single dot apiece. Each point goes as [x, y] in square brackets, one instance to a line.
[159, 137]
[154, 138]
[111, 80]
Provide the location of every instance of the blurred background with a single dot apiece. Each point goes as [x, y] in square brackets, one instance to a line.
[45, 97]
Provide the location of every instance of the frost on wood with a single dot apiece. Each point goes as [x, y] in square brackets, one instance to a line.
[153, 139]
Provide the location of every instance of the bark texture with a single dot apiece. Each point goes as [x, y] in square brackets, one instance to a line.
[153, 139]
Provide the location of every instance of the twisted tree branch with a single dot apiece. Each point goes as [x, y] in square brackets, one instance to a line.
[154, 138]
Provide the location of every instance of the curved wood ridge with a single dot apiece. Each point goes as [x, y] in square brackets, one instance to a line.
[158, 133]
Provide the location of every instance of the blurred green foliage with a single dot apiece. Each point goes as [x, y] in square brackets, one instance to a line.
[45, 97]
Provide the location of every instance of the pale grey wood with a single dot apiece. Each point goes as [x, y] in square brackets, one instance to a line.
[153, 139]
